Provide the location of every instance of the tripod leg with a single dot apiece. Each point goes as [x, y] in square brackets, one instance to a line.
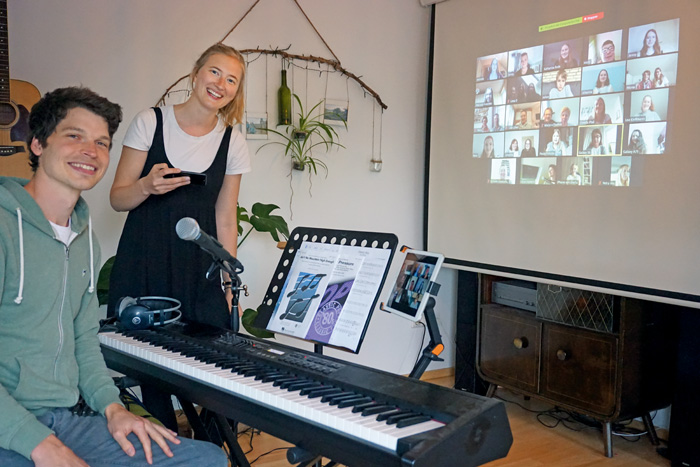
[232, 442]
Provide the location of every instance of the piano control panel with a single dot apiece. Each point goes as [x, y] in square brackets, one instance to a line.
[266, 351]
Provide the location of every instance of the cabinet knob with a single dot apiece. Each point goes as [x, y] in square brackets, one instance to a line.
[562, 355]
[520, 342]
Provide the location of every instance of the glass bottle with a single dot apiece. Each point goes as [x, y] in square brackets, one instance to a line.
[284, 102]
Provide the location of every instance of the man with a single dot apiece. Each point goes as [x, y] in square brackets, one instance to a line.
[548, 113]
[607, 52]
[496, 123]
[49, 351]
[524, 124]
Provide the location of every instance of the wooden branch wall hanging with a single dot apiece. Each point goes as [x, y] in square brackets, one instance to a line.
[332, 63]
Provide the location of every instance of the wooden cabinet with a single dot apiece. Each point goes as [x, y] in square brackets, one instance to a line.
[608, 375]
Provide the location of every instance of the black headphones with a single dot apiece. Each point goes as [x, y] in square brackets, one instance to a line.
[140, 313]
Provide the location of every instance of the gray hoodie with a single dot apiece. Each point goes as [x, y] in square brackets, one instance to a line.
[49, 351]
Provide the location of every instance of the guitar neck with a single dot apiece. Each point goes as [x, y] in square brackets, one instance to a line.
[4, 55]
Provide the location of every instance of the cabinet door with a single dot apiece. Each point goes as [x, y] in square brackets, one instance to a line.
[579, 368]
[509, 347]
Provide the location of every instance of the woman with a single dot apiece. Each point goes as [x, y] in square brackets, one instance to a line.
[513, 150]
[650, 45]
[525, 68]
[636, 143]
[492, 71]
[484, 124]
[565, 59]
[599, 115]
[488, 96]
[660, 81]
[550, 178]
[528, 150]
[596, 147]
[645, 82]
[556, 147]
[488, 151]
[622, 176]
[648, 110]
[574, 178]
[602, 84]
[196, 136]
[562, 89]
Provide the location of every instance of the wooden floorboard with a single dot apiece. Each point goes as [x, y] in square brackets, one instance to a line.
[534, 445]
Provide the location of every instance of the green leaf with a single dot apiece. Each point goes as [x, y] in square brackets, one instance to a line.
[103, 281]
[248, 319]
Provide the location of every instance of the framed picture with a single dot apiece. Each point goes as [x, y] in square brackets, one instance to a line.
[335, 112]
[256, 125]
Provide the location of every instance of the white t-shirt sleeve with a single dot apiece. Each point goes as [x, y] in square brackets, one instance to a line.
[238, 161]
[140, 133]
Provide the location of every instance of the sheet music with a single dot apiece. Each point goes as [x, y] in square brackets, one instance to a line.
[328, 293]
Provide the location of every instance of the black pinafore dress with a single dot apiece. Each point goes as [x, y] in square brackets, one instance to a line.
[153, 261]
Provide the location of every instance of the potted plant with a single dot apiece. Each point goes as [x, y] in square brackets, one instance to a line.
[304, 136]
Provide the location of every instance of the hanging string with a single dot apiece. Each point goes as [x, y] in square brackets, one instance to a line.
[306, 86]
[347, 99]
[318, 33]
[325, 91]
[240, 20]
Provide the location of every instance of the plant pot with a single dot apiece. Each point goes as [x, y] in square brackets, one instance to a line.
[296, 165]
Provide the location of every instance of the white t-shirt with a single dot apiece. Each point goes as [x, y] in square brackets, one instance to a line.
[187, 152]
[64, 233]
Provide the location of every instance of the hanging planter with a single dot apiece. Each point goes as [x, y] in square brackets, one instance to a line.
[304, 136]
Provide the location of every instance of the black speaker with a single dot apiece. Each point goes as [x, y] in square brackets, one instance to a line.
[684, 431]
[147, 312]
[466, 376]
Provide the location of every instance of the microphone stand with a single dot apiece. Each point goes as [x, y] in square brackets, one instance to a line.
[234, 284]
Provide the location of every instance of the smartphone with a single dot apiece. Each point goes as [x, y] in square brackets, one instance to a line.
[196, 178]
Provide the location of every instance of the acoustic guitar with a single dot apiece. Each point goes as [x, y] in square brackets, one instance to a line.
[16, 99]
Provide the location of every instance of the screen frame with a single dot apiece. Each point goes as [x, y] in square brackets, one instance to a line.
[460, 262]
[398, 284]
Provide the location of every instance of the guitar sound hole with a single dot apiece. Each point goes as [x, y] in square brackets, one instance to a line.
[8, 114]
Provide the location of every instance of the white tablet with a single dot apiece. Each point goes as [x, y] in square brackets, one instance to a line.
[409, 295]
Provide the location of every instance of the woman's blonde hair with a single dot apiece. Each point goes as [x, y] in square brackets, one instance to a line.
[232, 113]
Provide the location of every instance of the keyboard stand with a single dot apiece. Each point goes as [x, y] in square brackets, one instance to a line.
[229, 437]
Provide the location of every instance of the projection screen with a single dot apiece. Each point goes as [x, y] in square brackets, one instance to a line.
[563, 143]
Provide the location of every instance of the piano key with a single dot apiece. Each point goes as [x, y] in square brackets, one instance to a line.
[403, 423]
[392, 419]
[353, 402]
[332, 396]
[361, 407]
[385, 415]
[377, 409]
[323, 392]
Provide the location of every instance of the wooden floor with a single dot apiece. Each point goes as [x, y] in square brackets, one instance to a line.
[534, 444]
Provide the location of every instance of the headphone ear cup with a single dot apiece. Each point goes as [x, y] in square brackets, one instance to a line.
[123, 303]
[136, 317]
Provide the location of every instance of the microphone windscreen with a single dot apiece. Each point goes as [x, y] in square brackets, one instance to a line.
[187, 228]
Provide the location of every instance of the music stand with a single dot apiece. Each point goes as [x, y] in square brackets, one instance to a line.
[314, 276]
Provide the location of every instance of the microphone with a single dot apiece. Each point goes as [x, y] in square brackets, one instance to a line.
[188, 229]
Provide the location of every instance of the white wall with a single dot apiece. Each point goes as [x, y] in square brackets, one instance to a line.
[132, 50]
